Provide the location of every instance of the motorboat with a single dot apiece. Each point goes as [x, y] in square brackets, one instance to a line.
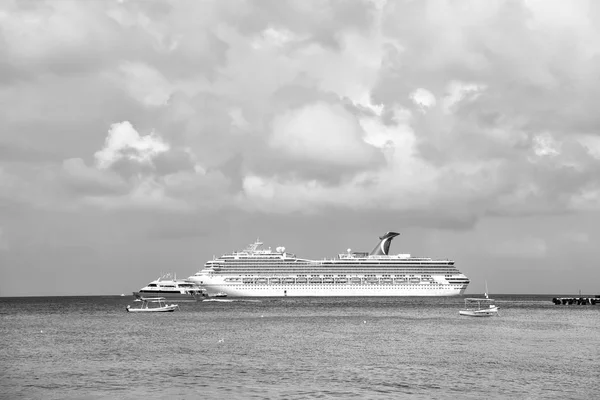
[153, 304]
[171, 288]
[479, 307]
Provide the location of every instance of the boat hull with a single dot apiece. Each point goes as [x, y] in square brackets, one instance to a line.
[169, 296]
[321, 290]
[149, 310]
[475, 314]
[479, 313]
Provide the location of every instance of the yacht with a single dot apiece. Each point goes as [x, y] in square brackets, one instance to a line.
[171, 288]
[259, 272]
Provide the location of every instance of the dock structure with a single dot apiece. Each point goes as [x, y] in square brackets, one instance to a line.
[579, 301]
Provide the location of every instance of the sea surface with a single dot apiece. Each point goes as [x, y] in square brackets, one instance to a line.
[298, 348]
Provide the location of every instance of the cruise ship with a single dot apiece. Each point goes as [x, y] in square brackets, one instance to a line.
[259, 272]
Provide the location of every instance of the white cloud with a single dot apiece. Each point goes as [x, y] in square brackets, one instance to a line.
[258, 187]
[205, 73]
[321, 132]
[423, 98]
[350, 72]
[399, 136]
[366, 102]
[32, 33]
[168, 178]
[591, 143]
[545, 145]
[124, 142]
[295, 195]
[145, 84]
[272, 37]
[458, 91]
[549, 14]
[135, 17]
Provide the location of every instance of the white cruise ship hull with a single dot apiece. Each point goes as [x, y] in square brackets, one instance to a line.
[321, 290]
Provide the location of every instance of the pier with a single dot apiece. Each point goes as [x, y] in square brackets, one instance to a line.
[579, 301]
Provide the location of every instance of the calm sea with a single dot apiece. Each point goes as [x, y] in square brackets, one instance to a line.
[297, 348]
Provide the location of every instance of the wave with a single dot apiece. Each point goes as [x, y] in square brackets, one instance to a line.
[231, 300]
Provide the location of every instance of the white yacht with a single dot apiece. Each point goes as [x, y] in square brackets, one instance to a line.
[265, 272]
[171, 288]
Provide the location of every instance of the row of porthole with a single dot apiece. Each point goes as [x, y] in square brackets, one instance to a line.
[347, 287]
[338, 284]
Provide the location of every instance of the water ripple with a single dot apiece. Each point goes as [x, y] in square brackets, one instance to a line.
[289, 348]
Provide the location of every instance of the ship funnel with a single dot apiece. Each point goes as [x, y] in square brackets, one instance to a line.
[383, 247]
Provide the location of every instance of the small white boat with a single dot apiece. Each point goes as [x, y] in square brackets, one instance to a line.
[479, 307]
[220, 294]
[154, 304]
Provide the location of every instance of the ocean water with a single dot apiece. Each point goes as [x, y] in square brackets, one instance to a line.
[298, 348]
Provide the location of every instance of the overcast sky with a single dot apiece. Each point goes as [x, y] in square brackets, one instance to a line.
[142, 137]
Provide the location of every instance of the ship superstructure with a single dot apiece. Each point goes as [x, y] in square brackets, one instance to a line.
[260, 272]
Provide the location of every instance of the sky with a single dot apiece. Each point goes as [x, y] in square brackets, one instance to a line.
[144, 137]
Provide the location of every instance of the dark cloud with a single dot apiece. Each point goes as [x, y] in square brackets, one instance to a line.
[88, 181]
[172, 161]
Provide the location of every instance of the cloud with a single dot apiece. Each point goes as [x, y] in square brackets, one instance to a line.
[125, 143]
[545, 145]
[145, 84]
[91, 180]
[271, 36]
[143, 172]
[397, 105]
[423, 98]
[322, 133]
[459, 91]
